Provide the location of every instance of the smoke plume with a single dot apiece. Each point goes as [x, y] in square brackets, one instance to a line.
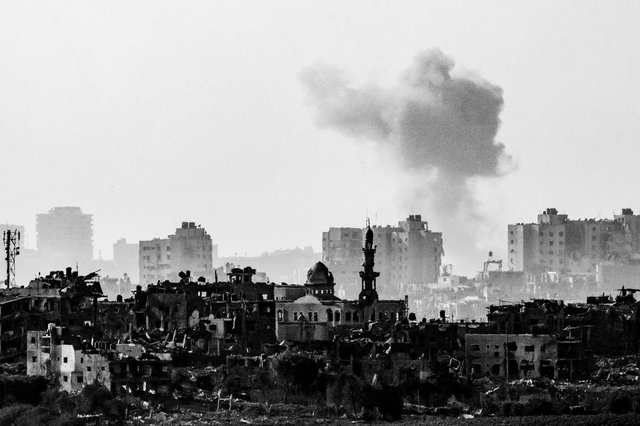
[441, 128]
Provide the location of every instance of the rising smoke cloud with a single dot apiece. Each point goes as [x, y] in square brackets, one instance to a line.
[441, 128]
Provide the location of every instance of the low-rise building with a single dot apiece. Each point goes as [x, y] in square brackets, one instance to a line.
[121, 368]
[51, 353]
[511, 355]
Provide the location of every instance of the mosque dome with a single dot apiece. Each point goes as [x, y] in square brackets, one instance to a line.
[319, 275]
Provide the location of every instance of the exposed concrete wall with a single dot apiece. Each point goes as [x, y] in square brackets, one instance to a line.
[66, 363]
[95, 368]
[529, 356]
[37, 360]
[168, 311]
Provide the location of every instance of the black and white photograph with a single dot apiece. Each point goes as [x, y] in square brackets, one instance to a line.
[305, 212]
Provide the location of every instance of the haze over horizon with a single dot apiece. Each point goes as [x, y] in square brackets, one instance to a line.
[151, 113]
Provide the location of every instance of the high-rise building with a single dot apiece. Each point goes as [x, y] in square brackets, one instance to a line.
[190, 248]
[557, 243]
[409, 253]
[64, 237]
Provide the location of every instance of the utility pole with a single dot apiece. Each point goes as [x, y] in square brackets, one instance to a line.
[11, 240]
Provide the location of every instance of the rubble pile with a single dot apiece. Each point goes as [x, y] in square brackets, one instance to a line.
[13, 369]
[618, 371]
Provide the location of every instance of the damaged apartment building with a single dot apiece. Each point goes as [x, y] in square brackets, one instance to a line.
[14, 316]
[548, 338]
[588, 255]
[238, 312]
[531, 340]
[61, 297]
[73, 362]
[77, 337]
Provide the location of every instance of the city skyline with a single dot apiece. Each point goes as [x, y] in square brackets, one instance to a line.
[324, 211]
[145, 116]
[382, 231]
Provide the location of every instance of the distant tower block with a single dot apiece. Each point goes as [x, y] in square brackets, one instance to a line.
[65, 236]
[368, 291]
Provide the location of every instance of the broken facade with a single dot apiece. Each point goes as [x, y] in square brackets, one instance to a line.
[62, 297]
[121, 368]
[13, 326]
[511, 356]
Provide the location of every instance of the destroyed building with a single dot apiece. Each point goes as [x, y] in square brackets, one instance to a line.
[604, 325]
[601, 326]
[558, 243]
[14, 323]
[611, 327]
[512, 356]
[238, 310]
[115, 317]
[73, 363]
[573, 258]
[538, 316]
[62, 297]
[527, 356]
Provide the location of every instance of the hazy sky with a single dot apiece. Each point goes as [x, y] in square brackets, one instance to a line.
[148, 113]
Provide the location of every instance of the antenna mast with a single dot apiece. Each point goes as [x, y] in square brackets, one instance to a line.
[11, 241]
